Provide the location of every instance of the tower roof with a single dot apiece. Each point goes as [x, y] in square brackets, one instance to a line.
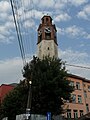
[46, 16]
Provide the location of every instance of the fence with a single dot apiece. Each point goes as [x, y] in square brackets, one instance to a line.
[35, 117]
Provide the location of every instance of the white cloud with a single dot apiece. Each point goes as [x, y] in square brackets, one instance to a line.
[4, 6]
[62, 17]
[46, 3]
[56, 4]
[78, 59]
[88, 36]
[28, 24]
[6, 22]
[77, 2]
[30, 4]
[10, 71]
[6, 31]
[74, 56]
[85, 13]
[74, 32]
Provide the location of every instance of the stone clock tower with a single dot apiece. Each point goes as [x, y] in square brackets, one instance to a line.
[47, 38]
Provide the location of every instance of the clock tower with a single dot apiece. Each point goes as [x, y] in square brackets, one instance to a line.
[47, 38]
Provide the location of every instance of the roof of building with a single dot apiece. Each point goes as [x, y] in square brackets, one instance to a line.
[12, 84]
[46, 16]
[78, 77]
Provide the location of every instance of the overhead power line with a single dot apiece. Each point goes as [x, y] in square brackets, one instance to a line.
[84, 67]
[18, 34]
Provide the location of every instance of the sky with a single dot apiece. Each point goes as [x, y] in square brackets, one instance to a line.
[72, 20]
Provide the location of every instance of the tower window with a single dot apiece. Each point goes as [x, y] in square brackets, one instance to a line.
[42, 20]
[48, 35]
[39, 38]
[48, 48]
[46, 19]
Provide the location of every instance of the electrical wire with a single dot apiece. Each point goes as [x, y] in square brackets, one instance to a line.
[28, 37]
[18, 34]
[31, 14]
[84, 67]
[26, 32]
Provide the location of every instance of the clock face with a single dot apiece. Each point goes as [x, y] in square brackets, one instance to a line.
[47, 29]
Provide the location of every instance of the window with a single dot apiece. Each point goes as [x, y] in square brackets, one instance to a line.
[73, 96]
[79, 99]
[88, 88]
[84, 85]
[48, 36]
[42, 20]
[87, 108]
[77, 85]
[85, 94]
[81, 113]
[39, 38]
[75, 113]
[71, 83]
[68, 113]
[48, 48]
[46, 19]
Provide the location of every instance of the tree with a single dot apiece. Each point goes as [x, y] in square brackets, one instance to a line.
[15, 102]
[49, 85]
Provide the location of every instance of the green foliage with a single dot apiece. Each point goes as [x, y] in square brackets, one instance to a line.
[49, 84]
[49, 87]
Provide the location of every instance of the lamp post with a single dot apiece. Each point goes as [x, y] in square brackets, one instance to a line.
[28, 109]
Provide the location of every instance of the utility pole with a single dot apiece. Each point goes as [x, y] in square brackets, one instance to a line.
[28, 109]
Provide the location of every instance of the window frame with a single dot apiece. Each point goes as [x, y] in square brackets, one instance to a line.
[68, 113]
[75, 113]
[81, 112]
[89, 88]
[73, 98]
[71, 83]
[78, 85]
[87, 107]
[85, 93]
[79, 99]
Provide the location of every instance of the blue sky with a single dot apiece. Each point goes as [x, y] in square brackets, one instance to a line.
[72, 20]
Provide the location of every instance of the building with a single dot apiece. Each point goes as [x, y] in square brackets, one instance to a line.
[79, 104]
[4, 90]
[47, 38]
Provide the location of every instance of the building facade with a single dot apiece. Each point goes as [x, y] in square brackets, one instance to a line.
[47, 38]
[79, 104]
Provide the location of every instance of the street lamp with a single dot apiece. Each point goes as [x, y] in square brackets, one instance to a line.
[28, 109]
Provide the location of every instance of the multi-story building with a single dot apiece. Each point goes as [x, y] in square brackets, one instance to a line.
[80, 98]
